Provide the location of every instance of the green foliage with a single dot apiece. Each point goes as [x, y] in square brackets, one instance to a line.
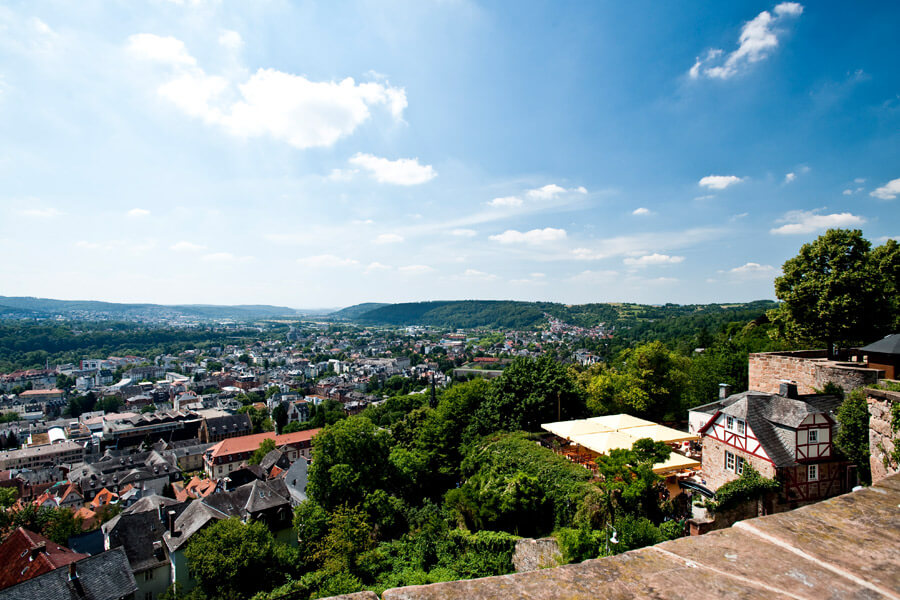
[350, 459]
[838, 291]
[259, 418]
[393, 409]
[266, 446]
[895, 427]
[57, 524]
[648, 380]
[749, 486]
[528, 393]
[7, 497]
[852, 438]
[221, 555]
[581, 544]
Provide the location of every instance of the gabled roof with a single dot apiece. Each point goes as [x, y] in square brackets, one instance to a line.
[104, 576]
[888, 345]
[25, 554]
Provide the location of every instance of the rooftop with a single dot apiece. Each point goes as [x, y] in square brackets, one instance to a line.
[249, 443]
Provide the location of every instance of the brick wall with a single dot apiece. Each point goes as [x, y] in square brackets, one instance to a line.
[881, 439]
[714, 463]
[809, 368]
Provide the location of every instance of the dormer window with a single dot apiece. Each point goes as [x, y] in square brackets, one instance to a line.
[741, 426]
[813, 436]
[729, 423]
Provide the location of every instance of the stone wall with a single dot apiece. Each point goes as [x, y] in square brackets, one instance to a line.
[714, 472]
[809, 368]
[531, 554]
[881, 439]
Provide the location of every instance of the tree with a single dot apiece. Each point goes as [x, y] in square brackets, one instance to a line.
[265, 447]
[279, 416]
[852, 438]
[222, 555]
[838, 291]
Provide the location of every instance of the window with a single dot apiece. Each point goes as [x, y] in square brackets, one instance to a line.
[813, 436]
[812, 473]
[741, 427]
[739, 465]
[729, 461]
[729, 423]
[148, 575]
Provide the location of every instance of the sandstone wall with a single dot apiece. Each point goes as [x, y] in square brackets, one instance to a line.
[714, 472]
[810, 369]
[881, 439]
[531, 554]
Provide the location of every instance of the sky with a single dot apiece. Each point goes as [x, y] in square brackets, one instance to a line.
[321, 154]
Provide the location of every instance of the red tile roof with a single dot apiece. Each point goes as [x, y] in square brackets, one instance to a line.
[249, 443]
[25, 554]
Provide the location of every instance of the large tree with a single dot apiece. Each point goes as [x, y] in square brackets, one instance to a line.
[838, 291]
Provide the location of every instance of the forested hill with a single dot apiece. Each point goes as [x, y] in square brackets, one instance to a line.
[88, 309]
[523, 315]
[353, 312]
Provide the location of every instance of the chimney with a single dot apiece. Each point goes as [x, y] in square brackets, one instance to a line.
[171, 526]
[73, 572]
[724, 391]
[788, 389]
[38, 549]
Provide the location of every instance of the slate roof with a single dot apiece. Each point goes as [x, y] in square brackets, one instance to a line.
[764, 412]
[888, 345]
[229, 424]
[104, 576]
[25, 554]
[140, 533]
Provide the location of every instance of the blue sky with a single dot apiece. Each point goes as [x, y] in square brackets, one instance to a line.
[323, 154]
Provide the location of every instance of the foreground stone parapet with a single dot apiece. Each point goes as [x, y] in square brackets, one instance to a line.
[844, 547]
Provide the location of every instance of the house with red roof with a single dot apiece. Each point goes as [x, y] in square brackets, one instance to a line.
[25, 554]
[227, 455]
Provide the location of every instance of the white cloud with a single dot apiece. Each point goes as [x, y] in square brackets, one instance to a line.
[506, 202]
[889, 191]
[546, 192]
[231, 40]
[326, 261]
[759, 37]
[464, 232]
[535, 236]
[847, 192]
[403, 171]
[185, 246]
[377, 266]
[537, 275]
[641, 211]
[415, 269]
[389, 238]
[790, 177]
[653, 259]
[41, 213]
[859, 180]
[138, 212]
[752, 269]
[283, 106]
[342, 174]
[476, 274]
[168, 50]
[719, 182]
[801, 222]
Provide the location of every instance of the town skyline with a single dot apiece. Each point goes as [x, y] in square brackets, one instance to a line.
[318, 156]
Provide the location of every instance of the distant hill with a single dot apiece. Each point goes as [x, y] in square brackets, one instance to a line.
[352, 312]
[510, 314]
[90, 309]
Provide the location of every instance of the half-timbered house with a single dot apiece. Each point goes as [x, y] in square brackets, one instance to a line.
[784, 436]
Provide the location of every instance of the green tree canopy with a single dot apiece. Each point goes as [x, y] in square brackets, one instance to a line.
[837, 290]
[266, 446]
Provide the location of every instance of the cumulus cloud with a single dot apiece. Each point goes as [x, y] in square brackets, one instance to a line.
[403, 171]
[506, 202]
[551, 190]
[641, 211]
[185, 246]
[40, 213]
[389, 238]
[719, 182]
[653, 259]
[476, 274]
[535, 236]
[802, 222]
[138, 212]
[790, 177]
[283, 106]
[464, 232]
[888, 191]
[231, 40]
[759, 37]
[377, 266]
[595, 277]
[752, 269]
[326, 261]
